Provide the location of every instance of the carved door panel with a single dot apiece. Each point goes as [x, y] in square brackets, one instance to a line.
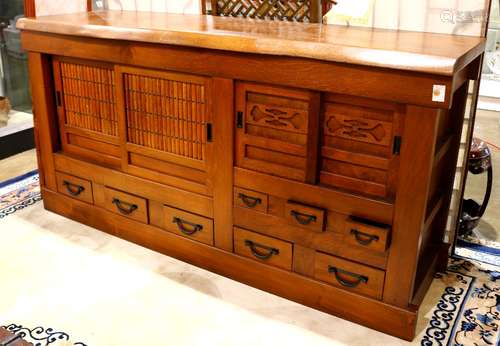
[166, 127]
[277, 131]
[85, 99]
[360, 145]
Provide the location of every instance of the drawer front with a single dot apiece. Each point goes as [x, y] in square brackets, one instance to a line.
[349, 275]
[305, 216]
[264, 249]
[277, 131]
[368, 235]
[75, 187]
[359, 145]
[126, 205]
[189, 225]
[251, 199]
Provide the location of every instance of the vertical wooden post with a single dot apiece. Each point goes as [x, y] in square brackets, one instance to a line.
[29, 8]
[221, 166]
[417, 157]
[215, 12]
[316, 11]
[45, 115]
[89, 6]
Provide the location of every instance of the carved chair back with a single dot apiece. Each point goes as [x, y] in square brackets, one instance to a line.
[308, 11]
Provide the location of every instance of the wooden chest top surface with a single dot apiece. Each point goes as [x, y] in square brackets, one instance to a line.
[403, 50]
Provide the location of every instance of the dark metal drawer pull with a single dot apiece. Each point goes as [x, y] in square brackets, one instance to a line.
[181, 224]
[263, 256]
[249, 201]
[303, 219]
[74, 190]
[346, 283]
[123, 207]
[364, 238]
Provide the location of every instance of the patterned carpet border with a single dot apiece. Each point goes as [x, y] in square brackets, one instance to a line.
[467, 313]
[40, 336]
[19, 193]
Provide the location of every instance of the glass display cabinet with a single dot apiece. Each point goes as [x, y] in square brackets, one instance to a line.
[16, 119]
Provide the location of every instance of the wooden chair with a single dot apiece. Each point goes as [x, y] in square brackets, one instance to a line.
[308, 11]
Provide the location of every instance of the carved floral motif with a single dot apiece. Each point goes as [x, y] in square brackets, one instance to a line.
[365, 130]
[277, 117]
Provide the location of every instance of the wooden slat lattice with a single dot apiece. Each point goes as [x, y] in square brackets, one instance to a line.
[88, 93]
[290, 10]
[166, 115]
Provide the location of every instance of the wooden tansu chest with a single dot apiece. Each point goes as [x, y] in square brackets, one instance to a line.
[314, 162]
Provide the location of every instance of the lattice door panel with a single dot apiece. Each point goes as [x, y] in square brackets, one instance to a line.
[167, 113]
[291, 10]
[88, 96]
[87, 109]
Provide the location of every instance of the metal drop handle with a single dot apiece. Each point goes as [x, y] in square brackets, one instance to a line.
[263, 256]
[364, 238]
[73, 189]
[249, 201]
[303, 219]
[123, 207]
[181, 224]
[346, 283]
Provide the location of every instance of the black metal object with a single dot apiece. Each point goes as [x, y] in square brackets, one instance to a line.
[303, 219]
[239, 120]
[123, 207]
[249, 201]
[263, 256]
[364, 238]
[209, 132]
[479, 162]
[351, 284]
[181, 224]
[16, 143]
[73, 189]
[58, 99]
[396, 149]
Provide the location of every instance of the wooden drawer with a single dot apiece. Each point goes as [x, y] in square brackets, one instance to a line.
[367, 234]
[251, 199]
[189, 225]
[277, 130]
[75, 187]
[126, 204]
[301, 215]
[349, 275]
[360, 145]
[269, 250]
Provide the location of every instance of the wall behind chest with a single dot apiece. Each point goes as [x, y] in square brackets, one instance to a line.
[460, 17]
[172, 6]
[48, 7]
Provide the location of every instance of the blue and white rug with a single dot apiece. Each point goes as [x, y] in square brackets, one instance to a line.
[468, 311]
[19, 193]
[462, 307]
[40, 336]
